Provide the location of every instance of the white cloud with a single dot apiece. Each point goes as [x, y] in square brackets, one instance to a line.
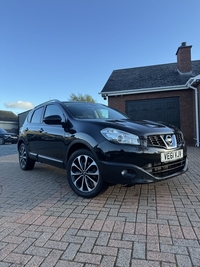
[20, 105]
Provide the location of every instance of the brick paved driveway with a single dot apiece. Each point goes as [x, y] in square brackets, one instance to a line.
[43, 223]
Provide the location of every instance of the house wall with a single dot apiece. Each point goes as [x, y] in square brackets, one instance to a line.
[187, 108]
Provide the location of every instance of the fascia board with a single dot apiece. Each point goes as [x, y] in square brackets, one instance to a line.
[145, 90]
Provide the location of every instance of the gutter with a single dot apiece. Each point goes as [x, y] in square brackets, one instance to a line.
[189, 83]
[145, 90]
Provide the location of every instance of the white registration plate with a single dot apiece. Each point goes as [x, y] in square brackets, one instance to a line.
[171, 155]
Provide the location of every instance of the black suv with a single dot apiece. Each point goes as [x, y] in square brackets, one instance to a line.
[100, 146]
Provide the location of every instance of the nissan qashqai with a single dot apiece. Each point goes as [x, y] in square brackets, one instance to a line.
[99, 146]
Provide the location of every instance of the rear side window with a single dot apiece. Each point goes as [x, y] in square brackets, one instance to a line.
[36, 118]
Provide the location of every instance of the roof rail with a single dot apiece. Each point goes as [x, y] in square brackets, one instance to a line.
[49, 101]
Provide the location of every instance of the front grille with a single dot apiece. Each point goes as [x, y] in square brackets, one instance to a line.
[155, 140]
[179, 138]
[159, 140]
[161, 170]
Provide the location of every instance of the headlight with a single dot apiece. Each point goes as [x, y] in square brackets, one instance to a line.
[120, 137]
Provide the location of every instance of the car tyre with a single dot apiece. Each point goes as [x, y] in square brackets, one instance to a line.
[84, 174]
[24, 160]
[1, 141]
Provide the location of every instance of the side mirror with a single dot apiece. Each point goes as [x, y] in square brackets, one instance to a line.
[53, 119]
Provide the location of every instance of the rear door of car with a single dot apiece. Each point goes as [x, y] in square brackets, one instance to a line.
[33, 132]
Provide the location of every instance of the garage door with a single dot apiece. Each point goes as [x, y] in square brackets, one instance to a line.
[160, 109]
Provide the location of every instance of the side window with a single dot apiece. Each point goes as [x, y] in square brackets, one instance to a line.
[29, 116]
[36, 118]
[53, 110]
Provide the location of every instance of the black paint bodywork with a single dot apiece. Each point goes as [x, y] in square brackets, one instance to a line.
[52, 142]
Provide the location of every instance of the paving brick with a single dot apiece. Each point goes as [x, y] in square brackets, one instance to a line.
[137, 238]
[145, 263]
[24, 245]
[164, 230]
[71, 252]
[38, 251]
[140, 228]
[160, 256]
[124, 257]
[174, 249]
[13, 239]
[120, 244]
[176, 231]
[88, 258]
[188, 233]
[139, 250]
[88, 244]
[35, 261]
[103, 239]
[87, 233]
[58, 234]
[183, 261]
[194, 253]
[119, 227]
[153, 247]
[6, 251]
[56, 245]
[17, 258]
[104, 250]
[52, 258]
[108, 226]
[97, 225]
[108, 261]
[62, 263]
[152, 229]
[58, 222]
[87, 224]
[129, 228]
[168, 264]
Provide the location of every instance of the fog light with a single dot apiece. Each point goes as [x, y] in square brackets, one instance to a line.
[128, 173]
[124, 172]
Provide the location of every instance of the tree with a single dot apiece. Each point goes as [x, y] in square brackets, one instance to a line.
[80, 97]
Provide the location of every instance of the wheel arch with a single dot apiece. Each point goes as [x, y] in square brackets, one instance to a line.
[20, 141]
[76, 146]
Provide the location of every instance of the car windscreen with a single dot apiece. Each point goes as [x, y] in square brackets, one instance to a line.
[94, 111]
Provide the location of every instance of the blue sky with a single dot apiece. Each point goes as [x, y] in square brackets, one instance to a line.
[53, 48]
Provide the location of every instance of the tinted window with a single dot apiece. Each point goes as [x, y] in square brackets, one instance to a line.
[89, 110]
[36, 118]
[29, 116]
[53, 110]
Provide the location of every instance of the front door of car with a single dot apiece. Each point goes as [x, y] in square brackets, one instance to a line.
[53, 138]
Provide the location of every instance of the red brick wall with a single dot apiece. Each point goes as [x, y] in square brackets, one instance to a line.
[184, 59]
[187, 108]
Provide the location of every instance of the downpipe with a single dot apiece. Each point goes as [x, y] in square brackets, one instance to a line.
[196, 106]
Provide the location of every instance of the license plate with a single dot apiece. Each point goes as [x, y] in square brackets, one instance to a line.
[171, 155]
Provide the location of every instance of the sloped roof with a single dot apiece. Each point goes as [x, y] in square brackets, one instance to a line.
[8, 116]
[163, 75]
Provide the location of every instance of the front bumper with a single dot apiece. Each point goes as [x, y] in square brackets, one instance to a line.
[11, 139]
[138, 165]
[118, 173]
